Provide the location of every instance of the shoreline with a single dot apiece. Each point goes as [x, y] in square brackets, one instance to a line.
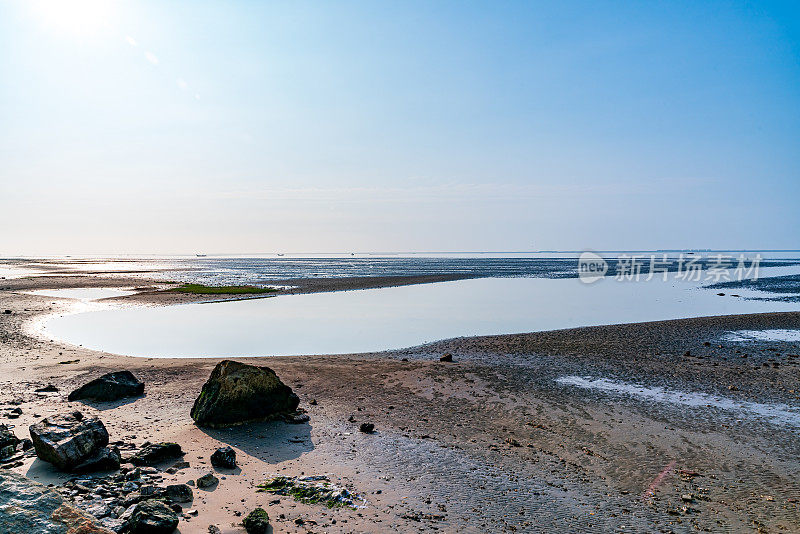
[531, 453]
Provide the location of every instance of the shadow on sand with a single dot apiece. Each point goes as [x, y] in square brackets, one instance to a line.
[109, 405]
[271, 442]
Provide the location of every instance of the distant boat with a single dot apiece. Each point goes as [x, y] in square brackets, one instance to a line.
[279, 254]
[200, 255]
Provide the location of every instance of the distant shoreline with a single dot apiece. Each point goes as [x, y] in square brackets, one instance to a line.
[495, 418]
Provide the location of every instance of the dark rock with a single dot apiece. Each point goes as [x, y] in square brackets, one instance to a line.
[8, 442]
[67, 440]
[446, 357]
[256, 522]
[224, 457]
[179, 493]
[29, 507]
[7, 312]
[367, 428]
[49, 388]
[110, 387]
[150, 517]
[208, 480]
[107, 459]
[296, 418]
[157, 452]
[237, 393]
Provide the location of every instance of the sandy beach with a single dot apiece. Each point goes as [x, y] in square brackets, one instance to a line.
[497, 440]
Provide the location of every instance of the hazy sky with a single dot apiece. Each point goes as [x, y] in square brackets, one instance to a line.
[157, 127]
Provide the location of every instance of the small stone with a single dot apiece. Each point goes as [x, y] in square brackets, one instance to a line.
[179, 493]
[151, 517]
[208, 480]
[256, 522]
[157, 452]
[367, 428]
[224, 457]
[446, 357]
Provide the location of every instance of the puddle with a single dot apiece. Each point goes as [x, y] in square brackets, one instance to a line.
[779, 414]
[90, 293]
[763, 335]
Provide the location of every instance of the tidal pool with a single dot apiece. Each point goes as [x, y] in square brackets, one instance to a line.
[88, 293]
[388, 318]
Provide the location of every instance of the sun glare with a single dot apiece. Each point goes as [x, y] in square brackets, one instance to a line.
[77, 17]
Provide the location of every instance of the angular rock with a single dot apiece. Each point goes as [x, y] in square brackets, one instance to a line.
[110, 387]
[207, 480]
[446, 357]
[256, 522]
[237, 393]
[150, 517]
[224, 457]
[157, 452]
[8, 442]
[29, 507]
[67, 440]
[106, 459]
[179, 493]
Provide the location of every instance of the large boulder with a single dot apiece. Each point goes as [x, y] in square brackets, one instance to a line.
[67, 440]
[109, 387]
[8, 442]
[27, 506]
[237, 393]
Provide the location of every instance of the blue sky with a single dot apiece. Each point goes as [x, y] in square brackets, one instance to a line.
[169, 127]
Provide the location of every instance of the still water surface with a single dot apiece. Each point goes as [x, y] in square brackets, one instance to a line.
[390, 318]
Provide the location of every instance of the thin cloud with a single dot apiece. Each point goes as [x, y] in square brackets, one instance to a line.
[131, 40]
[151, 57]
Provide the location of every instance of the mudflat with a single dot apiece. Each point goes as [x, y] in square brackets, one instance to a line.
[669, 426]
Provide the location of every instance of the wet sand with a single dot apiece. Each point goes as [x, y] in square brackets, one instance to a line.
[488, 443]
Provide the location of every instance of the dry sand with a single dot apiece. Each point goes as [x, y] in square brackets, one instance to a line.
[488, 443]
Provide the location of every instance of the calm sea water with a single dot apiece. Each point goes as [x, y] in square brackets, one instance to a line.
[390, 318]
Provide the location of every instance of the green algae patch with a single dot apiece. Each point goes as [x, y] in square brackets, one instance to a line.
[200, 289]
[313, 490]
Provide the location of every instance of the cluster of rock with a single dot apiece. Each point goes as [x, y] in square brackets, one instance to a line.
[12, 449]
[134, 499]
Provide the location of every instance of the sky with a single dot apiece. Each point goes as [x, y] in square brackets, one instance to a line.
[254, 127]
